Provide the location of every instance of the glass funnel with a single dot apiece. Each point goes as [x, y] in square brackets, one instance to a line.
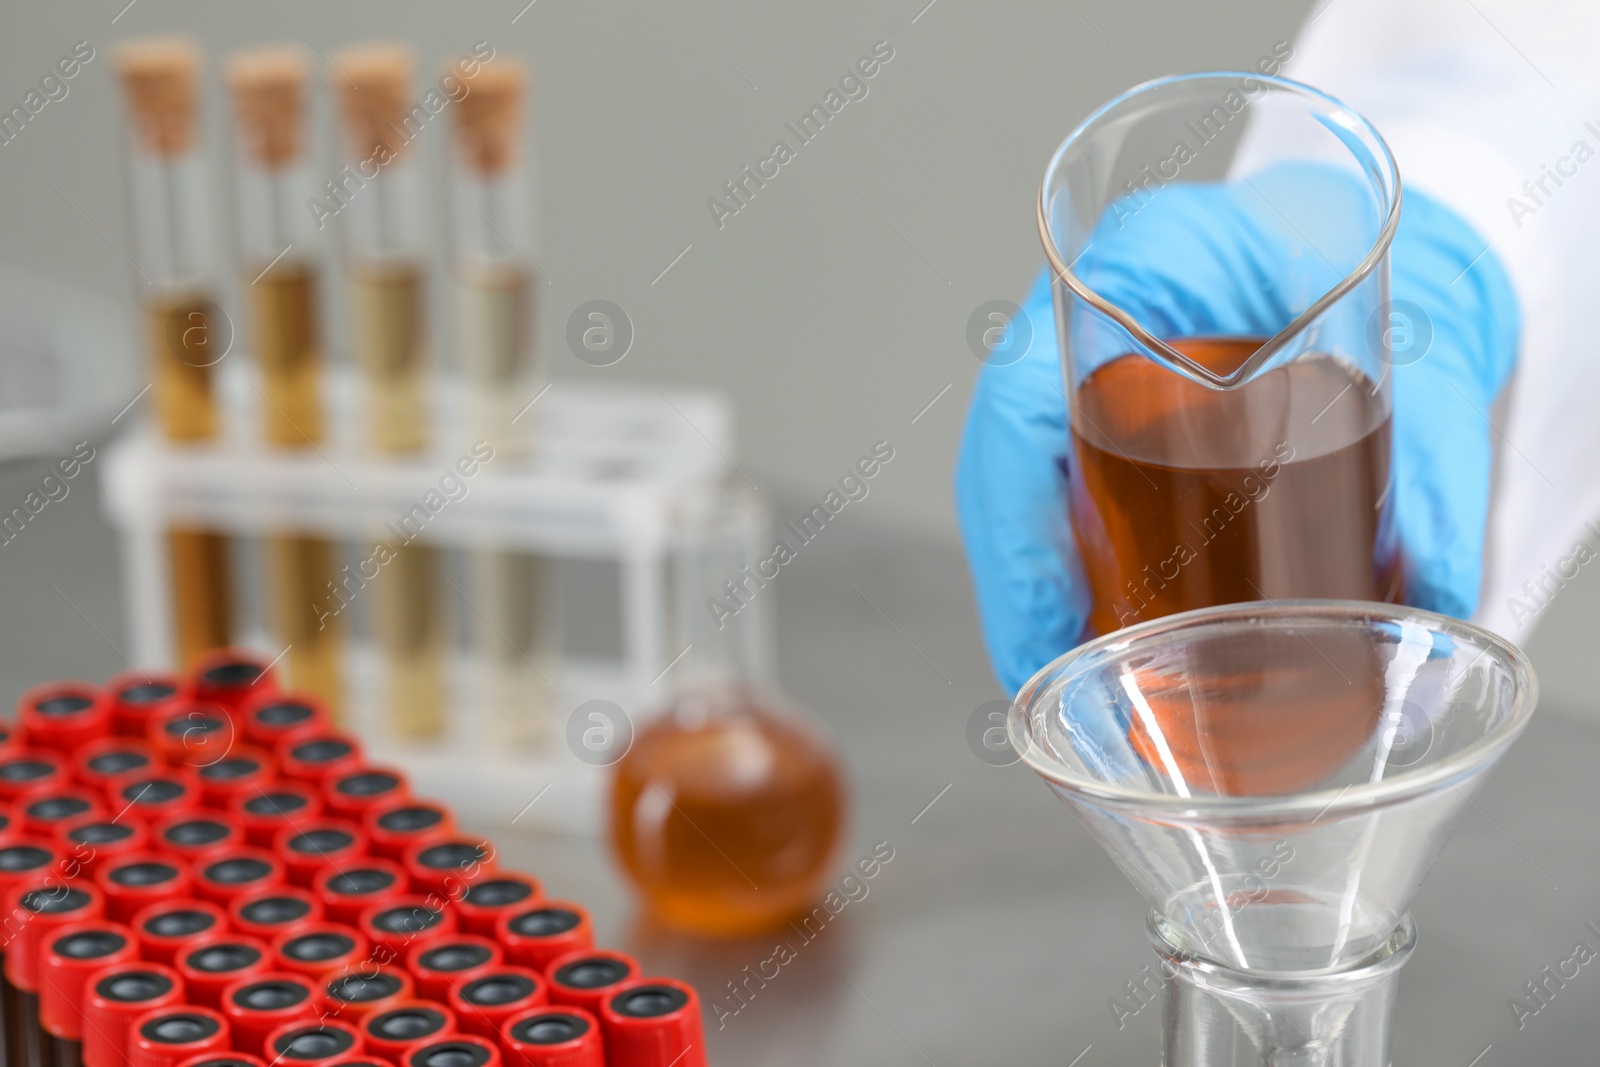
[1225, 342]
[1276, 779]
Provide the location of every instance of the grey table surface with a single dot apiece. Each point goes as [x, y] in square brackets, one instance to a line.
[999, 933]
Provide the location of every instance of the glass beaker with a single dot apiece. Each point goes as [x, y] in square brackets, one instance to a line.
[1278, 871]
[1225, 346]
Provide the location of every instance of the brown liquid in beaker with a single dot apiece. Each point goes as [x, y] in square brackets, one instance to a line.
[728, 823]
[1185, 497]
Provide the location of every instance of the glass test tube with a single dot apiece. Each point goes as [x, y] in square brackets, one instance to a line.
[281, 275]
[386, 249]
[160, 83]
[511, 590]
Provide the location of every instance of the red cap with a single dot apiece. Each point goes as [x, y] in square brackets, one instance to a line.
[351, 794]
[10, 828]
[266, 913]
[271, 717]
[71, 955]
[397, 825]
[90, 843]
[269, 808]
[38, 909]
[154, 795]
[502, 891]
[582, 979]
[257, 1006]
[320, 948]
[462, 1050]
[312, 1044]
[99, 763]
[165, 928]
[136, 695]
[165, 1037]
[400, 1027]
[653, 1022]
[535, 936]
[311, 846]
[450, 961]
[222, 875]
[62, 715]
[113, 998]
[351, 888]
[553, 1037]
[188, 835]
[133, 882]
[396, 924]
[447, 866]
[211, 965]
[314, 758]
[359, 991]
[191, 733]
[31, 770]
[24, 861]
[486, 1002]
[223, 1059]
[43, 812]
[242, 769]
[232, 676]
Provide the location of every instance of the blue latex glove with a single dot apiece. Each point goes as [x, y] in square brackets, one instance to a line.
[1200, 260]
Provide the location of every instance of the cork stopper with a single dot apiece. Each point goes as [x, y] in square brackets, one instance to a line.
[269, 103]
[374, 86]
[161, 83]
[489, 116]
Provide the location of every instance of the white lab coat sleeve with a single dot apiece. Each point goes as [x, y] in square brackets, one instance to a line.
[1493, 107]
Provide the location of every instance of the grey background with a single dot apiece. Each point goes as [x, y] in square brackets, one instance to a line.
[833, 310]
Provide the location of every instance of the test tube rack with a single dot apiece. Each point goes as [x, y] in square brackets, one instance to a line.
[629, 475]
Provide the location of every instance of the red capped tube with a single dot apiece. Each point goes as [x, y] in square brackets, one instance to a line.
[71, 955]
[537, 935]
[165, 1037]
[31, 770]
[23, 861]
[494, 895]
[314, 845]
[133, 882]
[359, 991]
[154, 795]
[255, 1007]
[267, 913]
[553, 1037]
[223, 1059]
[92, 842]
[113, 997]
[227, 873]
[351, 794]
[397, 1029]
[189, 835]
[38, 910]
[99, 763]
[395, 827]
[316, 1044]
[243, 769]
[315, 758]
[449, 865]
[10, 828]
[136, 695]
[43, 812]
[272, 717]
[209, 966]
[191, 733]
[653, 1022]
[351, 888]
[265, 811]
[486, 1003]
[231, 677]
[62, 715]
[164, 929]
[451, 961]
[584, 978]
[401, 922]
[320, 949]
[462, 1050]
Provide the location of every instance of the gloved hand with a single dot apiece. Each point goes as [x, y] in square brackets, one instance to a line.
[1205, 260]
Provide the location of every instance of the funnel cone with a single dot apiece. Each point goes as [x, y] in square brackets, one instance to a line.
[1276, 779]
